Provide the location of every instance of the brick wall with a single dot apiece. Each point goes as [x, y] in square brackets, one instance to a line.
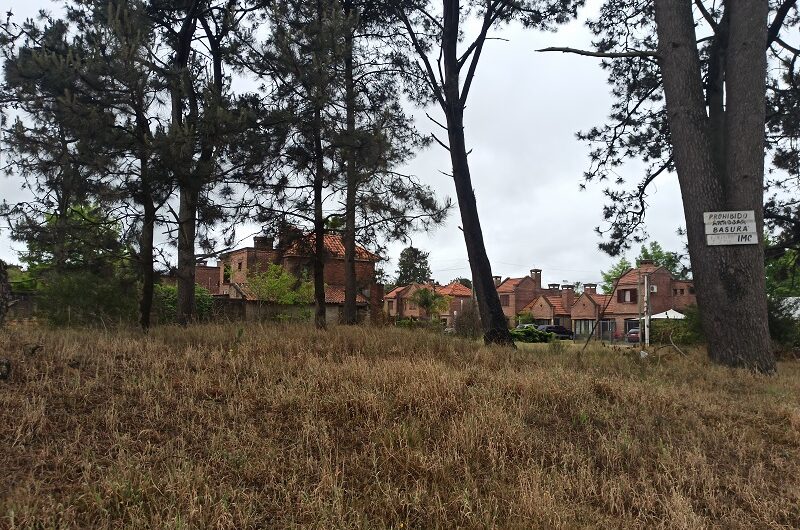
[541, 310]
[208, 277]
[584, 309]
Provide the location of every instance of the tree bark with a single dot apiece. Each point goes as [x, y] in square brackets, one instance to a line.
[494, 321]
[319, 225]
[729, 280]
[5, 291]
[187, 227]
[350, 311]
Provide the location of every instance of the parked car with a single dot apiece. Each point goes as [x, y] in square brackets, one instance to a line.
[523, 326]
[632, 335]
[559, 331]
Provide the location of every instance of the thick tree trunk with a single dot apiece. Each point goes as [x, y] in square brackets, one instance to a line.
[350, 311]
[494, 321]
[729, 280]
[187, 228]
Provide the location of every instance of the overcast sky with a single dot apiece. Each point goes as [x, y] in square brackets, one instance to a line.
[521, 118]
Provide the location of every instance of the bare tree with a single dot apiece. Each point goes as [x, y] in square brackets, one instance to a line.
[444, 71]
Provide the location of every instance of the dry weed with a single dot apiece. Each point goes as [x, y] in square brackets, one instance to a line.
[286, 427]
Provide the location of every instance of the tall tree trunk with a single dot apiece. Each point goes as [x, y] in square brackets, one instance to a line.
[187, 227]
[319, 225]
[5, 291]
[350, 312]
[146, 261]
[729, 280]
[494, 321]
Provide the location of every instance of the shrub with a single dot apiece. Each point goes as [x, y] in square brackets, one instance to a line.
[525, 318]
[85, 298]
[165, 302]
[784, 327]
[530, 334]
[279, 286]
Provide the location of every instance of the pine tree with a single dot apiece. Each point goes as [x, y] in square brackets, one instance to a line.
[412, 267]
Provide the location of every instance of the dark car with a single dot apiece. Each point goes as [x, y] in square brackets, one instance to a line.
[632, 335]
[559, 331]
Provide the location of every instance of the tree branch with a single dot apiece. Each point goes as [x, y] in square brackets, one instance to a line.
[706, 14]
[777, 22]
[610, 55]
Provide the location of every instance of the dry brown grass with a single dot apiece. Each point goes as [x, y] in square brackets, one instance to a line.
[362, 428]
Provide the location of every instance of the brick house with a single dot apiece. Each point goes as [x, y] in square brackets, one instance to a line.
[613, 315]
[517, 293]
[554, 306]
[206, 276]
[296, 256]
[665, 292]
[399, 302]
[590, 312]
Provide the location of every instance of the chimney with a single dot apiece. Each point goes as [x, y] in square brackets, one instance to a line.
[646, 262]
[590, 288]
[536, 274]
[263, 242]
[567, 295]
[552, 288]
[497, 281]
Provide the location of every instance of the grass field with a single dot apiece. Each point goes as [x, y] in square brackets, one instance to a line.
[283, 426]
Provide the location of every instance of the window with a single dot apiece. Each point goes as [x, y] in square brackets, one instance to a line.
[239, 266]
[680, 291]
[627, 296]
[504, 300]
[674, 292]
[390, 305]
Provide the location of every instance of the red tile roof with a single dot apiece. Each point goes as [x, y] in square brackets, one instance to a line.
[334, 245]
[553, 299]
[509, 285]
[455, 289]
[394, 292]
[556, 302]
[602, 301]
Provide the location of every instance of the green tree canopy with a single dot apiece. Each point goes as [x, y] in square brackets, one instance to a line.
[610, 276]
[413, 266]
[466, 282]
[431, 302]
[279, 286]
[663, 258]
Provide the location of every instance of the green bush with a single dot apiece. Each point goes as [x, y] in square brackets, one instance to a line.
[525, 318]
[84, 298]
[165, 302]
[784, 327]
[531, 335]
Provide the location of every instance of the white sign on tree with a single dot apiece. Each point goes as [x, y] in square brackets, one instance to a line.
[731, 228]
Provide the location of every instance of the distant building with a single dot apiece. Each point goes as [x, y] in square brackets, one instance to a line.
[295, 254]
[399, 303]
[613, 315]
